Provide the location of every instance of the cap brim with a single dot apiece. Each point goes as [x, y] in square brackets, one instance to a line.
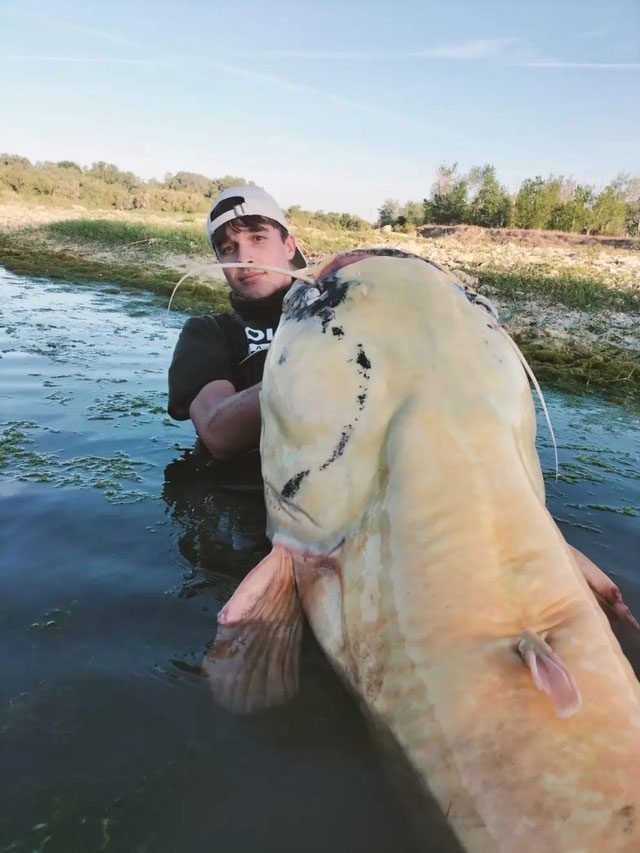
[299, 261]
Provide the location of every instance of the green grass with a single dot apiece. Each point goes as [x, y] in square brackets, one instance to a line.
[182, 240]
[572, 292]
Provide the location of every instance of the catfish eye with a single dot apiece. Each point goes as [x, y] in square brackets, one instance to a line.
[301, 296]
[311, 294]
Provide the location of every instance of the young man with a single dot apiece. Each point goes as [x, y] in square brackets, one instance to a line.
[217, 365]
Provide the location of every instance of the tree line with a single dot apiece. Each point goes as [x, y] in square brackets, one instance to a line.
[556, 202]
[103, 185]
[475, 197]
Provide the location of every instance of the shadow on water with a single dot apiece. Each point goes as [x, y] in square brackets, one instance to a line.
[217, 512]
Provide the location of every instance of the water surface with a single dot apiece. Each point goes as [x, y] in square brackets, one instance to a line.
[117, 550]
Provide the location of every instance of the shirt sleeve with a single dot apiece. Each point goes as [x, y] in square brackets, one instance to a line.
[201, 356]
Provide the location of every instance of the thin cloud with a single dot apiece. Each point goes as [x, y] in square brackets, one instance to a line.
[234, 71]
[281, 83]
[40, 18]
[479, 49]
[113, 38]
[596, 33]
[604, 66]
[466, 50]
[94, 60]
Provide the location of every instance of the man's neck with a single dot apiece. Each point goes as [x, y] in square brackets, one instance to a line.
[252, 309]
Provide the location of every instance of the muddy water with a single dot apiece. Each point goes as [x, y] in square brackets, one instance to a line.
[116, 551]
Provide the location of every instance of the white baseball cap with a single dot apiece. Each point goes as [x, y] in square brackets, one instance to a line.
[235, 202]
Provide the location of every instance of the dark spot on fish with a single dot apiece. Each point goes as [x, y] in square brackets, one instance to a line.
[627, 815]
[361, 400]
[284, 355]
[338, 331]
[297, 305]
[322, 298]
[339, 450]
[290, 488]
[362, 359]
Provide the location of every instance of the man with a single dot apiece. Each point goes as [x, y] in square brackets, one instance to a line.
[217, 365]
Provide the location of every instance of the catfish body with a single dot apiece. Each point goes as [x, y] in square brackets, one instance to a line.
[404, 490]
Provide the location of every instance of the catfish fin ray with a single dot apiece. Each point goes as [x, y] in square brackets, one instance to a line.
[253, 662]
[549, 673]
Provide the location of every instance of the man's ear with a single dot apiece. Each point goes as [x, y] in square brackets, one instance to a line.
[290, 246]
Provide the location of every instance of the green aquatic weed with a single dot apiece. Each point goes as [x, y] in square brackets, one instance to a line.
[106, 473]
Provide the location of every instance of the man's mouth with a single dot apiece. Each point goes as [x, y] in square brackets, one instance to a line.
[247, 278]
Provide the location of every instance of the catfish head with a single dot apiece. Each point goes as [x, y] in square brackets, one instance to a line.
[377, 337]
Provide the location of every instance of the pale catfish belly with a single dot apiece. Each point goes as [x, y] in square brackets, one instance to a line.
[456, 593]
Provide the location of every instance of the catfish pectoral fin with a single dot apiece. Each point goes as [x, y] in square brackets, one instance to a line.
[549, 673]
[253, 662]
[607, 593]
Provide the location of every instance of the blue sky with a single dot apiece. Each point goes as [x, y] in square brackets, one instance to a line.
[331, 105]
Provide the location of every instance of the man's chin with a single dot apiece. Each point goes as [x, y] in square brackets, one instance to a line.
[258, 289]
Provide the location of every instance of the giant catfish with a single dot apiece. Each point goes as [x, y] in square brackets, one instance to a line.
[407, 513]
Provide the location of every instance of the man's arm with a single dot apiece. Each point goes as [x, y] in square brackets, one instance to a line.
[227, 422]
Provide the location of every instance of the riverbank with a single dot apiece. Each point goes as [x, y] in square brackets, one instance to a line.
[573, 306]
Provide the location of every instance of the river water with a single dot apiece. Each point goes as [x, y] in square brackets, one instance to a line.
[116, 551]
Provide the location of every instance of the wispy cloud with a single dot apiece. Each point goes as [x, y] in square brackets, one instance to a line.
[39, 17]
[94, 60]
[479, 49]
[559, 63]
[466, 50]
[292, 86]
[283, 84]
[596, 33]
[112, 38]
[303, 89]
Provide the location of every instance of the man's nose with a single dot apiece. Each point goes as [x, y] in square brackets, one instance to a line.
[245, 253]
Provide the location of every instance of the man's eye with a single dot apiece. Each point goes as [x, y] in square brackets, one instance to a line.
[257, 238]
[225, 250]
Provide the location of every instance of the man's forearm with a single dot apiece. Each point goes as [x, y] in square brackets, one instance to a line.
[228, 425]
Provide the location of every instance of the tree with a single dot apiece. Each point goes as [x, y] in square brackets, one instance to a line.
[388, 213]
[412, 212]
[15, 160]
[576, 213]
[629, 186]
[448, 202]
[15, 172]
[609, 212]
[491, 204]
[69, 164]
[110, 174]
[536, 202]
[191, 182]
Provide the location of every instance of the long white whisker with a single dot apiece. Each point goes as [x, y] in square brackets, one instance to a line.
[514, 346]
[217, 267]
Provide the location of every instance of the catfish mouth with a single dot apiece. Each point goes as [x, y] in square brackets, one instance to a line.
[295, 513]
[294, 529]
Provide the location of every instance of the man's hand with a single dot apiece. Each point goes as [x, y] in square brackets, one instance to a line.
[227, 422]
[606, 592]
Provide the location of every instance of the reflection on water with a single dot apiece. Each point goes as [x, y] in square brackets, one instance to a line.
[119, 545]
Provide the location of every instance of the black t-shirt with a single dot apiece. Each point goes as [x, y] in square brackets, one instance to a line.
[222, 346]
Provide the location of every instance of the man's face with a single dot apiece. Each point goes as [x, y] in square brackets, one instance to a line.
[263, 245]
